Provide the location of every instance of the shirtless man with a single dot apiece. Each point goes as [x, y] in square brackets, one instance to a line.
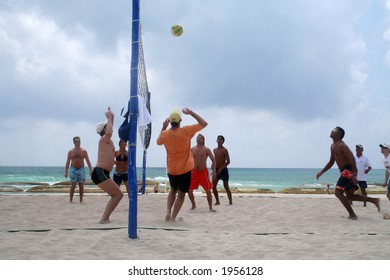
[200, 173]
[75, 159]
[105, 162]
[222, 159]
[120, 174]
[342, 155]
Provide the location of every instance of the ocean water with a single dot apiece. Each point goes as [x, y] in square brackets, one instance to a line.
[258, 178]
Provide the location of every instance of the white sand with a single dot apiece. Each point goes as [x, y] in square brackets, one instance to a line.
[267, 227]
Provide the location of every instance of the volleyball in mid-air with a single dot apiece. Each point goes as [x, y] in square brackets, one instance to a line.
[176, 30]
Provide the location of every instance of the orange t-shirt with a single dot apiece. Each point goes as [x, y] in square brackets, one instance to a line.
[177, 142]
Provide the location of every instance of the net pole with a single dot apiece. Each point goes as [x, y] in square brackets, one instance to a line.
[133, 109]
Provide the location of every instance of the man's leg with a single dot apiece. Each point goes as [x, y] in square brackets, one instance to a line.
[228, 192]
[178, 204]
[215, 191]
[170, 201]
[192, 199]
[71, 193]
[210, 201]
[116, 194]
[357, 197]
[81, 191]
[388, 191]
[346, 203]
[365, 194]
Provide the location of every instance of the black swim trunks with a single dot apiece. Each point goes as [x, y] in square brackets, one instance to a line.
[224, 175]
[344, 183]
[100, 175]
[180, 182]
[120, 177]
[362, 184]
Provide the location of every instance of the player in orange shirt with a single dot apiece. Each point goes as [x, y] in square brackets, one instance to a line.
[180, 162]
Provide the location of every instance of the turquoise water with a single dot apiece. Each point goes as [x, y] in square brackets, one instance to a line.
[259, 178]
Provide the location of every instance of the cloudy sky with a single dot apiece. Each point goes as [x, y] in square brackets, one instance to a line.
[273, 77]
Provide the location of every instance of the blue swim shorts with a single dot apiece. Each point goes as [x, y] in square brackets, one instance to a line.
[77, 175]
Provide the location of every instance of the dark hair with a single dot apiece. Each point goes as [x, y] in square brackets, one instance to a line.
[119, 143]
[342, 132]
[220, 136]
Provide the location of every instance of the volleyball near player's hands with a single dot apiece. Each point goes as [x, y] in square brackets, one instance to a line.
[176, 30]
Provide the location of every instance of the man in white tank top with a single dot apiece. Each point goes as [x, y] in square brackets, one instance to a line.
[363, 166]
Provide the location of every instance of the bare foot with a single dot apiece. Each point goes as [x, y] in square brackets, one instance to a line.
[378, 204]
[212, 210]
[353, 217]
[216, 203]
[193, 207]
[167, 218]
[104, 222]
[178, 219]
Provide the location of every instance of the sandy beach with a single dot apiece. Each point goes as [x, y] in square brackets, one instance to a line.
[256, 227]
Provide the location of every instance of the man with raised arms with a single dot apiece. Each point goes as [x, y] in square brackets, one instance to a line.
[105, 162]
[180, 162]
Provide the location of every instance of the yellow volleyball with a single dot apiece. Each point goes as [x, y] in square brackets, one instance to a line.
[176, 30]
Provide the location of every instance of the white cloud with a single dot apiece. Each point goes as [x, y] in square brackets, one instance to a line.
[54, 67]
[273, 77]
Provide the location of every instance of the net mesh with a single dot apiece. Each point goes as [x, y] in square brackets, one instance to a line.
[143, 91]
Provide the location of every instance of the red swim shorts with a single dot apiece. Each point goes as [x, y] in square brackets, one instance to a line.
[200, 177]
